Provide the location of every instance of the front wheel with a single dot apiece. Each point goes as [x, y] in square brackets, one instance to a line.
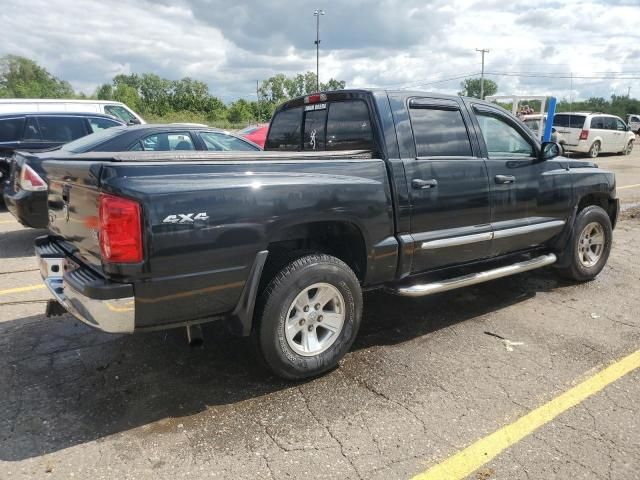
[629, 148]
[308, 316]
[588, 249]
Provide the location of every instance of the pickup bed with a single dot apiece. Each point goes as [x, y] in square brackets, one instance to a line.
[413, 192]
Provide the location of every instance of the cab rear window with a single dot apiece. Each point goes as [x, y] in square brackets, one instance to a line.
[284, 133]
[342, 125]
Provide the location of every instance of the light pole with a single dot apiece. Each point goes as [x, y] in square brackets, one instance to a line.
[317, 14]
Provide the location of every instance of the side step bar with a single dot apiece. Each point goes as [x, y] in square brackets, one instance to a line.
[421, 290]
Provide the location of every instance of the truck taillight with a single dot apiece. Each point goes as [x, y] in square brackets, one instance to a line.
[315, 98]
[584, 134]
[30, 180]
[120, 230]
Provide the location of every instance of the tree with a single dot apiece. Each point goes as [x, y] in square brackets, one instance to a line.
[471, 87]
[280, 88]
[24, 78]
[240, 111]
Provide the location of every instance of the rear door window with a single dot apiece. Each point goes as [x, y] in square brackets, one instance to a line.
[598, 123]
[61, 129]
[11, 129]
[284, 133]
[349, 126]
[568, 121]
[440, 133]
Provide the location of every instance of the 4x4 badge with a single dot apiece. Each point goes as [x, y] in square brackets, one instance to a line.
[186, 217]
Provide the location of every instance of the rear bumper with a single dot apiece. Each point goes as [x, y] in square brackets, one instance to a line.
[29, 208]
[107, 306]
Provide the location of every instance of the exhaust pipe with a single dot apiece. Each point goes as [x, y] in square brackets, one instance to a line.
[194, 335]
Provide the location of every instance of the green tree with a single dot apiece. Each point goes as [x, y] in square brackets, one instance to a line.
[240, 111]
[471, 87]
[280, 88]
[24, 78]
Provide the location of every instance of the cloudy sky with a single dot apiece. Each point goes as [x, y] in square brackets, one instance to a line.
[386, 43]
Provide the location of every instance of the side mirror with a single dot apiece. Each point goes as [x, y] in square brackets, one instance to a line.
[549, 150]
[628, 128]
[134, 121]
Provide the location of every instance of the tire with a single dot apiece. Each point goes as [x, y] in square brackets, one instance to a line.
[295, 343]
[629, 148]
[594, 151]
[578, 263]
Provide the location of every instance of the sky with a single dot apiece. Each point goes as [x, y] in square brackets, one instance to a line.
[418, 44]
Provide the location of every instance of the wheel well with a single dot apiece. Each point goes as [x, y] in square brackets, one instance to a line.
[342, 240]
[601, 200]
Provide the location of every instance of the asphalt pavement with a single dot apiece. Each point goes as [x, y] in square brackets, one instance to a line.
[438, 382]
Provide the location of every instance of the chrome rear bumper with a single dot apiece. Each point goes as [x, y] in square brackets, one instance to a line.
[69, 284]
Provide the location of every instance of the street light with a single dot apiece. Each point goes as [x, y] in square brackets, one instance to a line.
[317, 14]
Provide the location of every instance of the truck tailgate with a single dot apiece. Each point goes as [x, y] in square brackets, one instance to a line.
[73, 207]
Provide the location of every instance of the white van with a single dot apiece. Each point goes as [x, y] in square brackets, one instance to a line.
[594, 133]
[634, 123]
[33, 105]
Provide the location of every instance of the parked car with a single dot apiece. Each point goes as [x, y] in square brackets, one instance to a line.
[594, 133]
[634, 123]
[26, 192]
[106, 107]
[256, 133]
[415, 193]
[32, 132]
[537, 123]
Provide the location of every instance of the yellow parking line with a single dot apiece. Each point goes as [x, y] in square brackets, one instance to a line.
[629, 186]
[21, 289]
[463, 463]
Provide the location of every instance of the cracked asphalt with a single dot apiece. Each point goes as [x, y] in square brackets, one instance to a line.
[426, 378]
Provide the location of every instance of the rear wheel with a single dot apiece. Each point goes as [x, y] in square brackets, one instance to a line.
[594, 151]
[588, 248]
[309, 315]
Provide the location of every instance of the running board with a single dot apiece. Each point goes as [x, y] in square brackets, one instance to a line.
[421, 290]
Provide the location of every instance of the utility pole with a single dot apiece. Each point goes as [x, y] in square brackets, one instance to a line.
[317, 14]
[629, 91]
[482, 51]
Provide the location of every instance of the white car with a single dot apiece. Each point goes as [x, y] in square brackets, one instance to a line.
[634, 123]
[32, 105]
[594, 133]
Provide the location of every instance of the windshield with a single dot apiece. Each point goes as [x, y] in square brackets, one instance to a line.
[85, 144]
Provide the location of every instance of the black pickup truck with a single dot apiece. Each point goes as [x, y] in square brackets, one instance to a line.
[413, 192]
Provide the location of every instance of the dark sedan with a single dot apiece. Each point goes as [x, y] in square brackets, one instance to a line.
[26, 192]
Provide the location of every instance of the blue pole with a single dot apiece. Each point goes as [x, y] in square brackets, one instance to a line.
[549, 124]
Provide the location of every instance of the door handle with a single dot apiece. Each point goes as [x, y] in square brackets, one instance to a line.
[505, 179]
[420, 184]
